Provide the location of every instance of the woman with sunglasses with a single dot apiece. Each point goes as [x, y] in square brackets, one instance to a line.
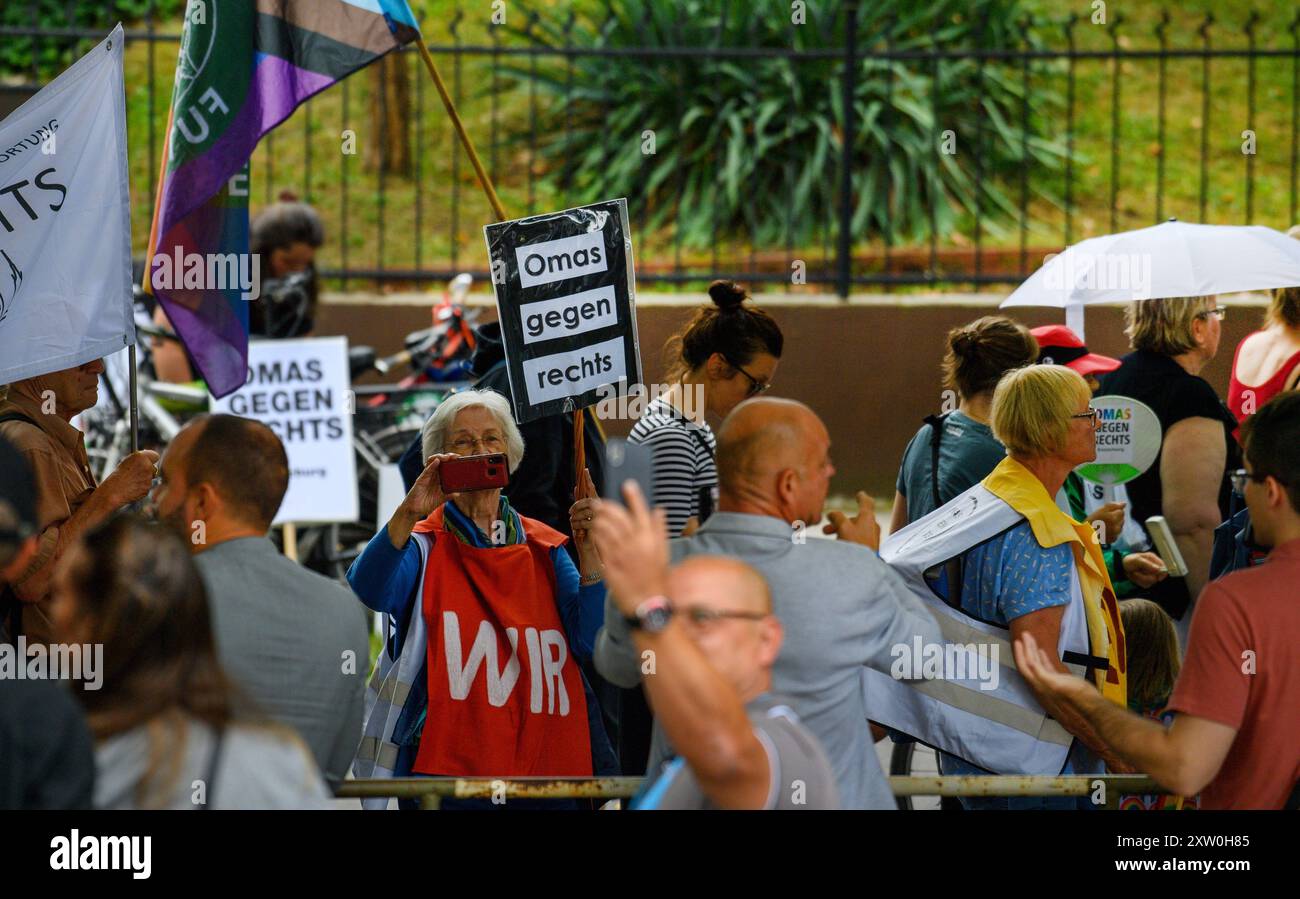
[727, 353]
[1173, 340]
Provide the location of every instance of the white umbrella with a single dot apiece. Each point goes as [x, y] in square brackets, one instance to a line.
[1172, 259]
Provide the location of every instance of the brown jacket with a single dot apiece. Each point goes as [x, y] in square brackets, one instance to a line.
[56, 452]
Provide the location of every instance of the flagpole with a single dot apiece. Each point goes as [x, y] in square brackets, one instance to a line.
[146, 283]
[135, 408]
[578, 414]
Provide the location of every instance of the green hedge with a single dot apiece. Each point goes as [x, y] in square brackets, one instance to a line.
[42, 58]
[752, 147]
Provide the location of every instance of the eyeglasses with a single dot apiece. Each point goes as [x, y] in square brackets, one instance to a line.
[1218, 311]
[1241, 476]
[755, 385]
[703, 616]
[1094, 414]
[465, 446]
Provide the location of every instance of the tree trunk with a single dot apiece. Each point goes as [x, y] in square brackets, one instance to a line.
[389, 140]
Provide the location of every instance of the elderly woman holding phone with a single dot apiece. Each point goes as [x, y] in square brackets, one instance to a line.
[489, 617]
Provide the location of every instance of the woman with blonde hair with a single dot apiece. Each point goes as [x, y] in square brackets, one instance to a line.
[1173, 340]
[1001, 560]
[1268, 360]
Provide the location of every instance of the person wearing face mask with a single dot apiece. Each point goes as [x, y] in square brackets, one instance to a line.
[1173, 340]
[284, 237]
[36, 417]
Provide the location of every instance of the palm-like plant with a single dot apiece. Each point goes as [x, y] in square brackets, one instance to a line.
[752, 144]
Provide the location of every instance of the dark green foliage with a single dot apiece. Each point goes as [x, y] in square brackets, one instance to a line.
[751, 146]
[42, 58]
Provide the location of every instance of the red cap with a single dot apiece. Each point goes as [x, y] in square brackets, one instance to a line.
[1058, 345]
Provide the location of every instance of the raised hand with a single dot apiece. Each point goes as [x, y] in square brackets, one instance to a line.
[861, 528]
[633, 544]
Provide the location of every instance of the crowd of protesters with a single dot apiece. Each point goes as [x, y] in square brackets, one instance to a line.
[710, 642]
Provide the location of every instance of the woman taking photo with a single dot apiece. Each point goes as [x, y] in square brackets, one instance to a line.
[727, 353]
[168, 729]
[490, 618]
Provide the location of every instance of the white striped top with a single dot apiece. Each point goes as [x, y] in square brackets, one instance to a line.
[684, 464]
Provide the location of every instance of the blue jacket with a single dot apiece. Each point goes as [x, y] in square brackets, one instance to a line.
[388, 580]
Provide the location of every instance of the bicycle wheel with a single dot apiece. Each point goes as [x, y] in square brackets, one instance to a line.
[912, 758]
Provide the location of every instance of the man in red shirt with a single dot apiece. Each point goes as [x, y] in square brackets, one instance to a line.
[1236, 737]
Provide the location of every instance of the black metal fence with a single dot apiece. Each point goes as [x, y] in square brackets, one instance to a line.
[1193, 115]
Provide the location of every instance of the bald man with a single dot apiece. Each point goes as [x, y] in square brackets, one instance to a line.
[708, 625]
[840, 607]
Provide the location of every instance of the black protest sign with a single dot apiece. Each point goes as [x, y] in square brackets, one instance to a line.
[565, 292]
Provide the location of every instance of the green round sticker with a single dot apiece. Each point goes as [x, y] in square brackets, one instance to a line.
[1128, 441]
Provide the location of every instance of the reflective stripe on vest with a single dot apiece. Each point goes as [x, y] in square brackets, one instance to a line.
[1003, 729]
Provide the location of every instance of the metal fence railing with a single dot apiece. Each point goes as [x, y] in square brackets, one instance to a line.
[430, 791]
[1059, 129]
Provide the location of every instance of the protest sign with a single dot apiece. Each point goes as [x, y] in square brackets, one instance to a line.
[565, 290]
[65, 221]
[301, 390]
[1128, 441]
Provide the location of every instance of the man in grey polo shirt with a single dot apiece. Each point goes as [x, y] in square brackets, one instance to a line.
[709, 627]
[294, 642]
[841, 607]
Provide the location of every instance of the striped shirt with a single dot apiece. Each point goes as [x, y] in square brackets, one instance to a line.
[683, 461]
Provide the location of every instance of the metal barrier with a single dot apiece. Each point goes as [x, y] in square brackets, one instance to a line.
[430, 791]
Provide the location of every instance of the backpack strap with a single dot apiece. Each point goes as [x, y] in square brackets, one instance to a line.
[936, 423]
[953, 567]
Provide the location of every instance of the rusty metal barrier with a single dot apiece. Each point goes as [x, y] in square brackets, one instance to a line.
[430, 791]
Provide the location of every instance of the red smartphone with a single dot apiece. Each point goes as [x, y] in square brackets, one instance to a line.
[483, 472]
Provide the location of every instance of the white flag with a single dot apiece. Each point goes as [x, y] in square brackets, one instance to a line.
[65, 221]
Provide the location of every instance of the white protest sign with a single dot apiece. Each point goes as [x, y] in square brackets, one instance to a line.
[65, 221]
[565, 292]
[1127, 442]
[300, 389]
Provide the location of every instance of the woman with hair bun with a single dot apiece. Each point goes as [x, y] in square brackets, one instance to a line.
[961, 441]
[727, 353]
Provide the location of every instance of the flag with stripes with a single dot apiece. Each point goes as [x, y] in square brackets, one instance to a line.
[244, 67]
